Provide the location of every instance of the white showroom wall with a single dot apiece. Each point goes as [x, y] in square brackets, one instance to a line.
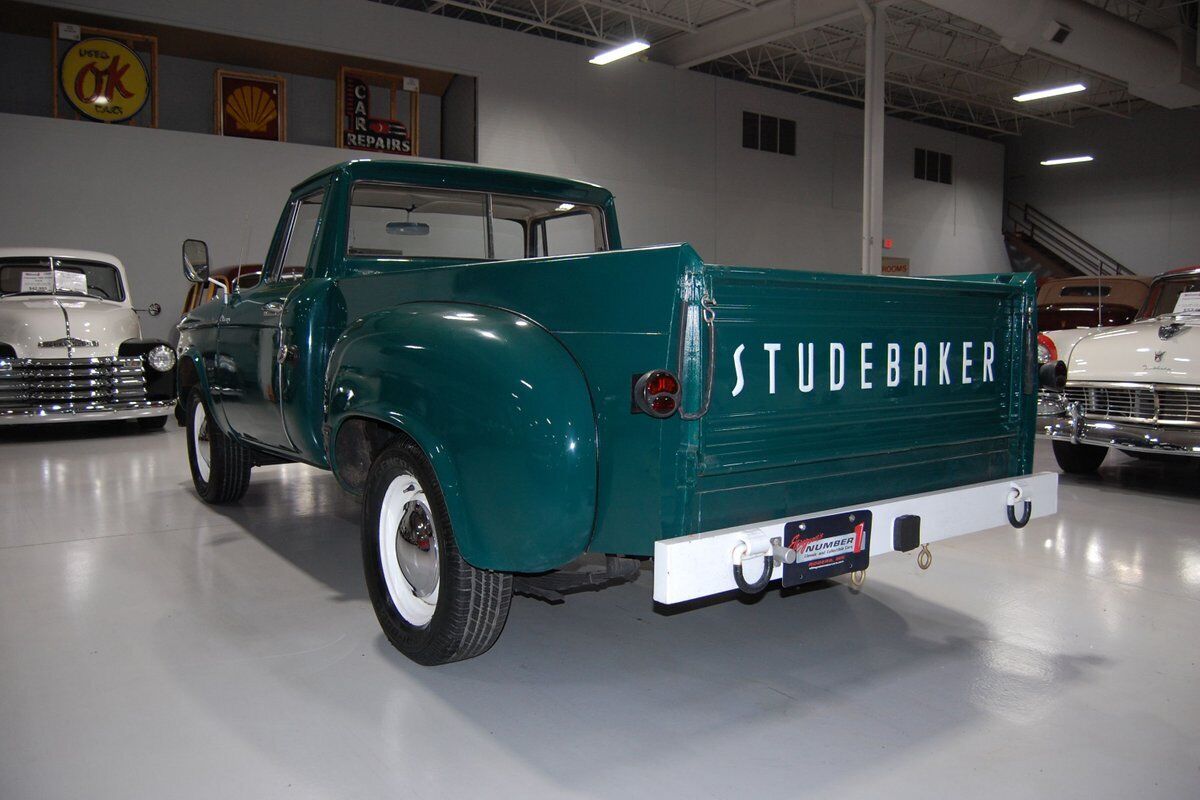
[1139, 201]
[666, 141]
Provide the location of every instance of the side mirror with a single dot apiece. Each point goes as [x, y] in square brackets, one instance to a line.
[195, 260]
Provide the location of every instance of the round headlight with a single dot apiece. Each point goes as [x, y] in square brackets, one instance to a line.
[161, 358]
[1047, 352]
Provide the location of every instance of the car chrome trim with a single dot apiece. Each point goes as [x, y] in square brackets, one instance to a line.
[90, 412]
[69, 342]
[1144, 438]
[1164, 398]
[66, 389]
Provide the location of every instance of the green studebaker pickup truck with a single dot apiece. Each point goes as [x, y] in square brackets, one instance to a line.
[472, 352]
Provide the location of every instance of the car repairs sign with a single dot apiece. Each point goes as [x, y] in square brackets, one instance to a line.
[827, 546]
[104, 80]
[360, 130]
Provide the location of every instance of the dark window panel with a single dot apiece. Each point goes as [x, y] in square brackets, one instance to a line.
[769, 134]
[919, 164]
[787, 137]
[946, 170]
[749, 130]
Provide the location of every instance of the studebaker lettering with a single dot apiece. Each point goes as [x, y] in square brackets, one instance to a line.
[896, 369]
[474, 353]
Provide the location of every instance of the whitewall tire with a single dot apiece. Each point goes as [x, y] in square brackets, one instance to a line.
[433, 606]
[220, 466]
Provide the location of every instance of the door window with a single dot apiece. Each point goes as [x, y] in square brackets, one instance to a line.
[306, 212]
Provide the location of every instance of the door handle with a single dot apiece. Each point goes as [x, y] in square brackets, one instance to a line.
[273, 308]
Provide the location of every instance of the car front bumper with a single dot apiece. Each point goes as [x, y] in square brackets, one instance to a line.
[86, 413]
[699, 565]
[1065, 420]
[1167, 439]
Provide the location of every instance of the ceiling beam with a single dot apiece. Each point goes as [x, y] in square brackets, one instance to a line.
[803, 89]
[492, 11]
[742, 31]
[640, 13]
[851, 68]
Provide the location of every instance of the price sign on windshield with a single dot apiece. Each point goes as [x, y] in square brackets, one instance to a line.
[71, 282]
[1188, 303]
[37, 282]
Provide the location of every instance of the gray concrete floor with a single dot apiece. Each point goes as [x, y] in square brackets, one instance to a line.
[152, 647]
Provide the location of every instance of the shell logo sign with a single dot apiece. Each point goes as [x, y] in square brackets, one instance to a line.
[251, 109]
[104, 80]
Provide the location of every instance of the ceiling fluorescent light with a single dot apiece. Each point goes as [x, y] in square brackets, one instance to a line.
[1052, 92]
[1054, 162]
[609, 56]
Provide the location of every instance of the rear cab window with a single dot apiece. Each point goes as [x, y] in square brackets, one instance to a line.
[397, 222]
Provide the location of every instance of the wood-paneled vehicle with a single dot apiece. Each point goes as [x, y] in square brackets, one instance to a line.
[71, 346]
[236, 278]
[473, 352]
[1090, 301]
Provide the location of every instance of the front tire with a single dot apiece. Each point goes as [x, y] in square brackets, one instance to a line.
[433, 606]
[1079, 459]
[220, 466]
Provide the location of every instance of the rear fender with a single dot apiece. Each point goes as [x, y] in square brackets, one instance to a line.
[500, 408]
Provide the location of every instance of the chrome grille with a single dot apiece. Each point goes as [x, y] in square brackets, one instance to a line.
[70, 383]
[1140, 403]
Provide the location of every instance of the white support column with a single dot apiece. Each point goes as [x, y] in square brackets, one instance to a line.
[872, 231]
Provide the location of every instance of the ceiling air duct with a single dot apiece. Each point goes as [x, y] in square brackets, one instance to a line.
[1155, 67]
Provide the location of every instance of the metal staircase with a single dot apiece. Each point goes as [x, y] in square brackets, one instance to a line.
[1037, 243]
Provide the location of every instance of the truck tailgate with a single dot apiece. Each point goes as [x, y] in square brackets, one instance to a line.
[831, 390]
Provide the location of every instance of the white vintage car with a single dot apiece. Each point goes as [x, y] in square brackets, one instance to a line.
[70, 342]
[1134, 387]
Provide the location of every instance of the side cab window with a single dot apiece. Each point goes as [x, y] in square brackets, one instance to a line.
[568, 234]
[299, 236]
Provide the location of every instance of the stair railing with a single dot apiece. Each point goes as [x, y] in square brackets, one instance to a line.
[1055, 237]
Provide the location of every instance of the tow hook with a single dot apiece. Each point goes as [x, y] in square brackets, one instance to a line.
[1014, 496]
[777, 554]
[925, 557]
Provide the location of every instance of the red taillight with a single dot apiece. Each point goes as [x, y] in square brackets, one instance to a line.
[656, 393]
[663, 405]
[662, 383]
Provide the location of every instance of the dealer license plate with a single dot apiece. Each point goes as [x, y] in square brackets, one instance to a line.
[827, 546]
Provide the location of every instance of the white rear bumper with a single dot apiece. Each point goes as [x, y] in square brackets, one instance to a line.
[688, 567]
